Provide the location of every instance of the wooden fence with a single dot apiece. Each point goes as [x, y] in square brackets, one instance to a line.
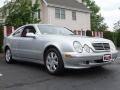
[9, 29]
[89, 33]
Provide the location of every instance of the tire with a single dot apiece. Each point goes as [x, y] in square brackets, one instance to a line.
[8, 56]
[53, 61]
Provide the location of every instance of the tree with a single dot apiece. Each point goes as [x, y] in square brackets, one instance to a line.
[23, 12]
[97, 21]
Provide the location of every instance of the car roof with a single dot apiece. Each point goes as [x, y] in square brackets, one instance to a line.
[38, 24]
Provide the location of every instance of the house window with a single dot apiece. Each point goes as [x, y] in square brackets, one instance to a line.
[57, 12]
[39, 14]
[0, 14]
[73, 15]
[60, 13]
[34, 15]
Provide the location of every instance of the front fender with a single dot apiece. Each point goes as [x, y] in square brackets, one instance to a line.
[61, 46]
[55, 44]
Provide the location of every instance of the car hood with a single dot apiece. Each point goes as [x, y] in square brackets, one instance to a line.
[66, 40]
[82, 39]
[86, 39]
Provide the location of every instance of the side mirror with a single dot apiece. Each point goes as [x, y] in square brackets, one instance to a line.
[31, 35]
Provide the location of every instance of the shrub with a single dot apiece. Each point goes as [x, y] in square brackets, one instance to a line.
[112, 36]
[88, 33]
[118, 39]
[1, 38]
[108, 35]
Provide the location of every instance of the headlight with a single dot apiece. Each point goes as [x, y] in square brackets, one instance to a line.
[87, 48]
[78, 47]
[112, 46]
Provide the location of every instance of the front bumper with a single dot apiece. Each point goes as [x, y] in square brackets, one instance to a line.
[76, 60]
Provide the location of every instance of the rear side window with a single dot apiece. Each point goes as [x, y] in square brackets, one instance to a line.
[18, 33]
[28, 29]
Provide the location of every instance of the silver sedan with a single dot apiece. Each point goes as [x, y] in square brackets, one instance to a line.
[57, 48]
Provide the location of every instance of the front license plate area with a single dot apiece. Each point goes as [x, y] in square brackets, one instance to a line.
[107, 57]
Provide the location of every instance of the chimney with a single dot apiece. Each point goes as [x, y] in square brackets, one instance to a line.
[80, 1]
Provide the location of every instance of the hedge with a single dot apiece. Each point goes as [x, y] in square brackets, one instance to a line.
[118, 39]
[114, 36]
[88, 33]
[1, 38]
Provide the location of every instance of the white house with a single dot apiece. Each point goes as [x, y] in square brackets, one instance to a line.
[72, 14]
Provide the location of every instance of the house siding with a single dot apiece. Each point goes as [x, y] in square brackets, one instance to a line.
[47, 16]
[44, 13]
[82, 20]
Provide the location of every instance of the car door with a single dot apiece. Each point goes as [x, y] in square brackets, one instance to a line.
[14, 41]
[28, 47]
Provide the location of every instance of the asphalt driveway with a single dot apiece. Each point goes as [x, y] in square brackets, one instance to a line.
[32, 76]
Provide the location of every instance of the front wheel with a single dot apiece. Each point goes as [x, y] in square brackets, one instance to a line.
[8, 56]
[53, 61]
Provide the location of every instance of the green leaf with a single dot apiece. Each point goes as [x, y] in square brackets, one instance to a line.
[97, 21]
[22, 12]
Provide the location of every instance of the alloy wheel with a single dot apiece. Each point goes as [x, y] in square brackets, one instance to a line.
[52, 61]
[8, 55]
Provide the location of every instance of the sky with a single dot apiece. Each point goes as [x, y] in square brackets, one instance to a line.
[109, 10]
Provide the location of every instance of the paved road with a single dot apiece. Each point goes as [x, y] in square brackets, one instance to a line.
[30, 76]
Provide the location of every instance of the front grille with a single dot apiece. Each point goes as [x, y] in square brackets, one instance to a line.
[99, 61]
[101, 46]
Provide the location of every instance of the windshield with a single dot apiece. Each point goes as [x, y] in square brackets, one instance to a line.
[48, 29]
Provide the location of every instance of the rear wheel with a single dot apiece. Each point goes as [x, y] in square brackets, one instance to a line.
[8, 56]
[53, 61]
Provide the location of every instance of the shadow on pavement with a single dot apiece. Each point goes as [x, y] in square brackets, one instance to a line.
[89, 72]
[29, 65]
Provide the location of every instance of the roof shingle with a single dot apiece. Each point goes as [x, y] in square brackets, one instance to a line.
[68, 3]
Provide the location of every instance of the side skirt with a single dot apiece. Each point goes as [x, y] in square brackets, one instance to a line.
[29, 60]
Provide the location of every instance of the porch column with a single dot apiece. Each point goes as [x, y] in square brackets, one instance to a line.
[13, 29]
[5, 31]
